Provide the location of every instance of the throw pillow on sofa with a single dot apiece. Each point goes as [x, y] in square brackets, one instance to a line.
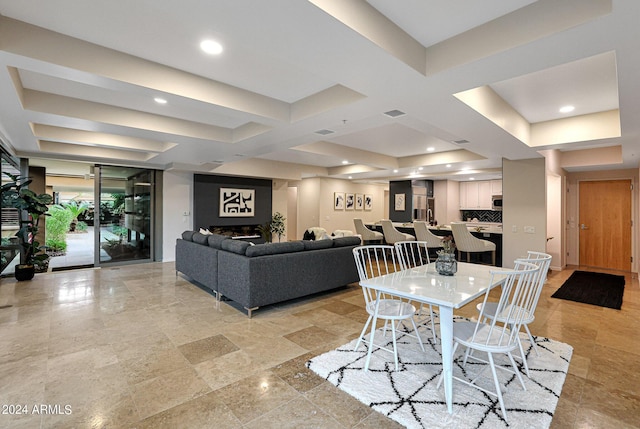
[204, 231]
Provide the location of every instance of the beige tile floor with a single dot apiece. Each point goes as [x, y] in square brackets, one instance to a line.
[136, 346]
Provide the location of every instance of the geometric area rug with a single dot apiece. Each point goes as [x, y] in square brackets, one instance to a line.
[410, 397]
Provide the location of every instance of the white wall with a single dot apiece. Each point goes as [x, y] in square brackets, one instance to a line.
[524, 195]
[315, 204]
[279, 203]
[177, 199]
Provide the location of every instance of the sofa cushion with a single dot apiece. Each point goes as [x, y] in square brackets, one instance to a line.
[319, 244]
[215, 240]
[346, 241]
[188, 235]
[200, 238]
[235, 246]
[275, 248]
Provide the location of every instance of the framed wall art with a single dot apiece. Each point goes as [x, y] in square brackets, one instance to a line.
[349, 201]
[359, 201]
[237, 202]
[368, 202]
[338, 200]
[399, 202]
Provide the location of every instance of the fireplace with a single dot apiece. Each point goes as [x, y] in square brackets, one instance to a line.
[236, 231]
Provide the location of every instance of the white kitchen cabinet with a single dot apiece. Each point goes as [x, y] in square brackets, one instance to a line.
[496, 187]
[476, 195]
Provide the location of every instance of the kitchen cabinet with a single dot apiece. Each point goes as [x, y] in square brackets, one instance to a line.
[475, 195]
[496, 187]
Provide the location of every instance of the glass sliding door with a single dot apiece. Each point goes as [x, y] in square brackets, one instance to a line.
[9, 249]
[124, 213]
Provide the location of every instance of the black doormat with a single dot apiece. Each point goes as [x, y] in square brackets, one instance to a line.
[601, 289]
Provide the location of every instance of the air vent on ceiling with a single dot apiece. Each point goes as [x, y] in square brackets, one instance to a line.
[461, 141]
[325, 132]
[394, 113]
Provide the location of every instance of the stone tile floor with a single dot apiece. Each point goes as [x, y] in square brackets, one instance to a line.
[137, 346]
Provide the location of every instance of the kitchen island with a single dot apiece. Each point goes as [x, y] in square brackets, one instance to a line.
[483, 230]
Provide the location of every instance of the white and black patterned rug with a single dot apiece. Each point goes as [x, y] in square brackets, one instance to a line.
[409, 395]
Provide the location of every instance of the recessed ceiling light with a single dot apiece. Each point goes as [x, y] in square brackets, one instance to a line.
[395, 171]
[160, 100]
[350, 177]
[567, 109]
[472, 178]
[211, 47]
[431, 149]
[420, 168]
[448, 165]
[345, 162]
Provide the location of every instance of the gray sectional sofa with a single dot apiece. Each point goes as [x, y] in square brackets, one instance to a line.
[263, 274]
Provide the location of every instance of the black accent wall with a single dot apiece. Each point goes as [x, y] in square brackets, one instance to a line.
[400, 187]
[206, 200]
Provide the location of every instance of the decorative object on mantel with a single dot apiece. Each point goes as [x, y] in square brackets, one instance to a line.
[410, 396]
[446, 264]
[16, 194]
[237, 202]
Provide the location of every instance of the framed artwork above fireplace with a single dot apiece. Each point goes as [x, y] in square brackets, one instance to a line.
[237, 202]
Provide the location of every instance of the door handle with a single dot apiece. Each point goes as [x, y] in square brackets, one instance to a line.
[583, 226]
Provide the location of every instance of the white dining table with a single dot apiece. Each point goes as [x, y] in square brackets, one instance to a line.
[423, 284]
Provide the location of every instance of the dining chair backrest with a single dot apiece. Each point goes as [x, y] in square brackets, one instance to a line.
[543, 261]
[412, 253]
[515, 304]
[423, 234]
[373, 261]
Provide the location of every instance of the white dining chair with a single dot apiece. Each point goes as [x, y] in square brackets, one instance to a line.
[489, 309]
[392, 235]
[413, 254]
[493, 337]
[466, 242]
[368, 236]
[373, 261]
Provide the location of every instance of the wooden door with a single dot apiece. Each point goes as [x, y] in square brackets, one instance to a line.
[605, 224]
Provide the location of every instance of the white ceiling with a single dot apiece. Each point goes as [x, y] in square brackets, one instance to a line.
[291, 68]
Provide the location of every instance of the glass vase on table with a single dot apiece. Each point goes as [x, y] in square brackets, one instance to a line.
[446, 263]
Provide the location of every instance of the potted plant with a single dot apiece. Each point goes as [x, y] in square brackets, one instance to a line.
[31, 207]
[275, 227]
[76, 209]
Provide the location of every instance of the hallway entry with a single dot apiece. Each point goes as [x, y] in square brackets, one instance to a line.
[605, 224]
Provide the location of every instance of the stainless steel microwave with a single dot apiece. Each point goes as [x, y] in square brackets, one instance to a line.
[496, 202]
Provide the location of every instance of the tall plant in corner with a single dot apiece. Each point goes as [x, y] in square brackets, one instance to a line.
[278, 226]
[16, 194]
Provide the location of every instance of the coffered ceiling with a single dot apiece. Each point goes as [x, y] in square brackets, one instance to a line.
[368, 90]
